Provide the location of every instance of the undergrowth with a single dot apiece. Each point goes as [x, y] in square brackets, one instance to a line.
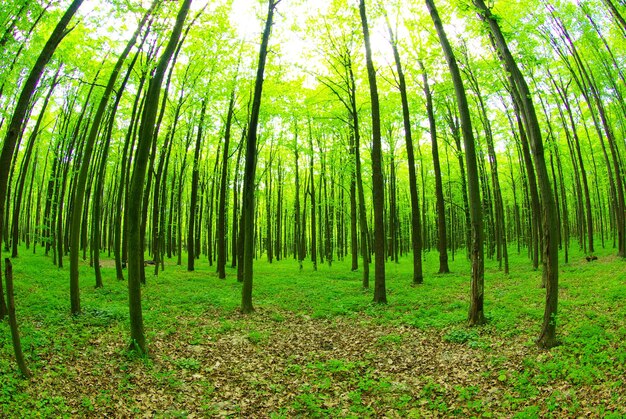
[190, 315]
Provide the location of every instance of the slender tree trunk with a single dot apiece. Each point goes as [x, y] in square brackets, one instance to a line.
[236, 217]
[24, 168]
[354, 251]
[476, 312]
[416, 234]
[311, 192]
[364, 230]
[17, 345]
[211, 202]
[532, 189]
[455, 130]
[298, 250]
[268, 209]
[221, 221]
[179, 210]
[193, 201]
[378, 187]
[547, 337]
[583, 173]
[22, 105]
[617, 15]
[499, 222]
[279, 211]
[328, 224]
[121, 202]
[250, 167]
[442, 243]
[393, 209]
[158, 198]
[146, 137]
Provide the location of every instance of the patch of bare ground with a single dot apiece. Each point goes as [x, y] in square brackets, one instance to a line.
[293, 365]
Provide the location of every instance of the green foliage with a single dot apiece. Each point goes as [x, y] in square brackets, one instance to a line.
[317, 347]
[256, 337]
[461, 335]
[187, 364]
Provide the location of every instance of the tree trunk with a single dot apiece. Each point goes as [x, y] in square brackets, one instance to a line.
[121, 201]
[279, 212]
[250, 167]
[269, 248]
[146, 137]
[442, 243]
[311, 192]
[378, 187]
[24, 168]
[476, 312]
[236, 217]
[416, 234]
[17, 345]
[547, 337]
[22, 105]
[193, 201]
[221, 212]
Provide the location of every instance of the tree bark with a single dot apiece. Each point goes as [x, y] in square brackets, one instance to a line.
[221, 212]
[193, 201]
[24, 168]
[135, 265]
[15, 335]
[311, 192]
[442, 241]
[476, 312]
[250, 167]
[547, 337]
[378, 187]
[416, 234]
[21, 108]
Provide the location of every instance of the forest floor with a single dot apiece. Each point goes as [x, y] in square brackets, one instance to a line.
[316, 346]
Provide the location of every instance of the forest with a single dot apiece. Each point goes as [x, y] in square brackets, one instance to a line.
[303, 208]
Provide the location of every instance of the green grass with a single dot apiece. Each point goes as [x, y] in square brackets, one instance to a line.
[194, 330]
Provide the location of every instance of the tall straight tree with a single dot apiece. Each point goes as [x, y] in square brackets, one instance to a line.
[221, 220]
[195, 176]
[347, 86]
[79, 196]
[476, 313]
[15, 336]
[442, 241]
[416, 227]
[21, 182]
[250, 167]
[378, 186]
[547, 337]
[146, 131]
[22, 106]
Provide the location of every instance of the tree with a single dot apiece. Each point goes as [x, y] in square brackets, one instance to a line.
[79, 195]
[416, 234]
[146, 131]
[22, 106]
[547, 337]
[378, 187]
[476, 312]
[250, 167]
[25, 164]
[221, 223]
[193, 201]
[442, 240]
[17, 345]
